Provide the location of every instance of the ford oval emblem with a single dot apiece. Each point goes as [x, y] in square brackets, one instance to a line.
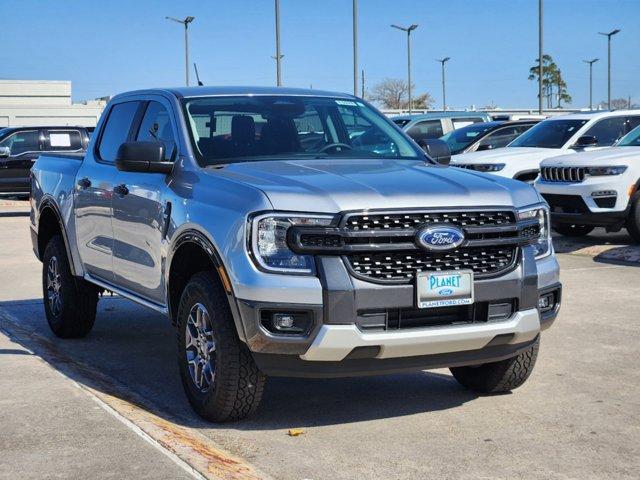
[438, 238]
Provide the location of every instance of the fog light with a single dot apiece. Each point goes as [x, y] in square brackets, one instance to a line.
[604, 193]
[283, 321]
[287, 323]
[546, 302]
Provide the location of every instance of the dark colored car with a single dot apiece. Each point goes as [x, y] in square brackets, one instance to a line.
[20, 146]
[485, 136]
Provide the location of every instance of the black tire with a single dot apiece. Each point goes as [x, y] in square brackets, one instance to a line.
[499, 377]
[74, 314]
[573, 230]
[236, 388]
[633, 220]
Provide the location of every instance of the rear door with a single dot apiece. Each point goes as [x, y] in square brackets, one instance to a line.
[24, 147]
[94, 192]
[141, 213]
[63, 140]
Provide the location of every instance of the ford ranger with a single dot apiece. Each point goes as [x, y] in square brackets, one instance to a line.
[293, 233]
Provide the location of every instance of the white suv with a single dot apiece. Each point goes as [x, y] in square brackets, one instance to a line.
[554, 136]
[594, 189]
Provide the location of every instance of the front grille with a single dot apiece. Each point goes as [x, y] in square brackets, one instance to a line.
[403, 266]
[565, 203]
[387, 221]
[382, 319]
[563, 174]
[380, 246]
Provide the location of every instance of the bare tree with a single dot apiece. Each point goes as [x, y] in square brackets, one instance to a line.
[393, 93]
[618, 104]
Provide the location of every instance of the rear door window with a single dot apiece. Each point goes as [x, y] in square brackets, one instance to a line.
[463, 122]
[116, 130]
[156, 126]
[22, 142]
[63, 140]
[426, 129]
[609, 130]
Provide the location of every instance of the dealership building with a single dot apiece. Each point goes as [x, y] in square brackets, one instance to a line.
[45, 103]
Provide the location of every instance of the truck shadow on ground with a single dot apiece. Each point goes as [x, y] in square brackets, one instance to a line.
[131, 355]
[610, 248]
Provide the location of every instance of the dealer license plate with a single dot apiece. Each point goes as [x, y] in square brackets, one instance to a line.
[444, 289]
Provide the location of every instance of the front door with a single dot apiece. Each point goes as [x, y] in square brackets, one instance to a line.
[94, 193]
[141, 213]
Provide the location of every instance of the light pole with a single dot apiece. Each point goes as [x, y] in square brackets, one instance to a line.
[540, 55]
[278, 54]
[408, 29]
[186, 23]
[591, 62]
[355, 47]
[444, 91]
[609, 35]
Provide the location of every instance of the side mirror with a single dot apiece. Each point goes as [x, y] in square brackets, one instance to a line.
[5, 152]
[586, 141]
[143, 157]
[438, 150]
[483, 147]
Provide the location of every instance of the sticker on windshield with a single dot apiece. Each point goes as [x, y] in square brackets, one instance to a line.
[347, 103]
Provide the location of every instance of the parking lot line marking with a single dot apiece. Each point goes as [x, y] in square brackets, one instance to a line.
[189, 449]
[579, 269]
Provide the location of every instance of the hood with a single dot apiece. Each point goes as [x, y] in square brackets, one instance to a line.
[606, 157]
[504, 155]
[337, 185]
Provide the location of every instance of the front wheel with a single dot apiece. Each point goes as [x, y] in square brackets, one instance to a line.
[573, 230]
[69, 303]
[633, 220]
[219, 376]
[499, 377]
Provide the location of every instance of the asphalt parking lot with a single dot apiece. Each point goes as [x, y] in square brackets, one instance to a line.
[111, 405]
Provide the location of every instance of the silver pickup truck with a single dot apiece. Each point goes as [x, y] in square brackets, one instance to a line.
[294, 233]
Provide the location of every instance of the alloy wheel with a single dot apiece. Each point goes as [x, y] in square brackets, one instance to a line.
[200, 347]
[54, 287]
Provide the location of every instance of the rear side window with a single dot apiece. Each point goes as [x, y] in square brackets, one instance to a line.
[116, 130]
[426, 129]
[156, 126]
[59, 140]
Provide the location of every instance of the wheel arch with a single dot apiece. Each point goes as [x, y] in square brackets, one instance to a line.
[193, 252]
[49, 224]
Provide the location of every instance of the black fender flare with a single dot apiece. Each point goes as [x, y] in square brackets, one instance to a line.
[49, 204]
[200, 239]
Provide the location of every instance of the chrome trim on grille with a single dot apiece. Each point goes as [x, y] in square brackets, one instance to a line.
[563, 174]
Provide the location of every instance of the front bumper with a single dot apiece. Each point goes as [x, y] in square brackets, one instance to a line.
[575, 203]
[338, 337]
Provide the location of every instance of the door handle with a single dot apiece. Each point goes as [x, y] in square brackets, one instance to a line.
[121, 189]
[84, 183]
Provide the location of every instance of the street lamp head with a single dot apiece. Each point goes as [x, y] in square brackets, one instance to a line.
[611, 33]
[592, 61]
[413, 27]
[185, 22]
[406, 29]
[189, 19]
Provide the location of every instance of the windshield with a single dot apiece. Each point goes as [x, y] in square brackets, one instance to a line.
[460, 139]
[549, 134]
[631, 139]
[250, 128]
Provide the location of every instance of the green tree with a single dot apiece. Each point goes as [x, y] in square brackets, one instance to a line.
[553, 85]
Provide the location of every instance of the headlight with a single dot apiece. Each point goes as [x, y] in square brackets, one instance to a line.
[269, 242]
[600, 171]
[542, 244]
[486, 167]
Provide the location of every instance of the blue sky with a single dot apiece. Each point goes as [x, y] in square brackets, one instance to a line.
[110, 46]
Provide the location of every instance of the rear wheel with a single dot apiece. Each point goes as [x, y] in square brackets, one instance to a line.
[498, 377]
[219, 376]
[69, 303]
[633, 220]
[573, 230]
